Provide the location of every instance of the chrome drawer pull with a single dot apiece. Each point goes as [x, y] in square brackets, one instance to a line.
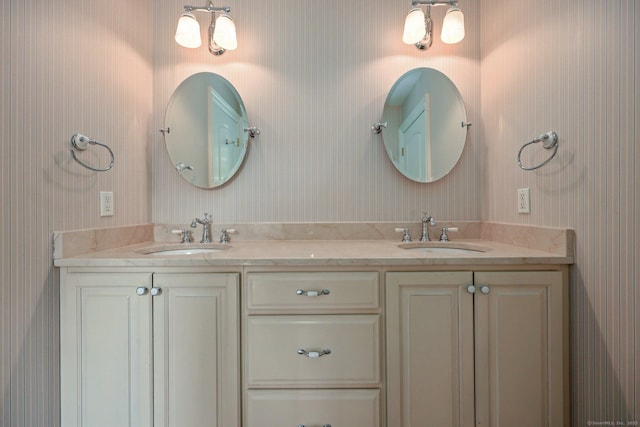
[313, 354]
[323, 425]
[312, 293]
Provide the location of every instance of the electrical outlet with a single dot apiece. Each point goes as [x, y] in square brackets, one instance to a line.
[106, 203]
[523, 201]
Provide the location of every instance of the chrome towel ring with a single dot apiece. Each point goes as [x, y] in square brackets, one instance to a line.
[549, 142]
[80, 142]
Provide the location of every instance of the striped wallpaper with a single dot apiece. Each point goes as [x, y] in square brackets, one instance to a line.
[573, 66]
[314, 76]
[6, 327]
[67, 66]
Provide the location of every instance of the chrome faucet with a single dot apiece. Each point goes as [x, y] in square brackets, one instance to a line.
[206, 230]
[426, 222]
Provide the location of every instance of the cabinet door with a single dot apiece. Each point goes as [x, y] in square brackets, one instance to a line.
[430, 349]
[519, 339]
[196, 350]
[105, 350]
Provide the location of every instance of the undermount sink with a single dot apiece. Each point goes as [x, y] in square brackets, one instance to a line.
[444, 248]
[184, 249]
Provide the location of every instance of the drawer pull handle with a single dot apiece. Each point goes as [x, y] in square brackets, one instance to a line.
[323, 425]
[313, 354]
[312, 293]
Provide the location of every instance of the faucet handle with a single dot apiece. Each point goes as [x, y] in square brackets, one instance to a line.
[443, 236]
[224, 236]
[406, 237]
[185, 235]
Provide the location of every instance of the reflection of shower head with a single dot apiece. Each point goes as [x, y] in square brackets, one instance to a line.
[181, 167]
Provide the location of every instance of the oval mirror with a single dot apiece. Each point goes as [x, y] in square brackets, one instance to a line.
[426, 125]
[205, 130]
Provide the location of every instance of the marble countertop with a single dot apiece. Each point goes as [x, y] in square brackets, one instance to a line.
[315, 253]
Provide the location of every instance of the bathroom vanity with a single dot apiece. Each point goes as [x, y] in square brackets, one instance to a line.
[316, 333]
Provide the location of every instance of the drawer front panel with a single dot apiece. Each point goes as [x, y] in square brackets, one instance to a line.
[274, 344]
[313, 408]
[320, 292]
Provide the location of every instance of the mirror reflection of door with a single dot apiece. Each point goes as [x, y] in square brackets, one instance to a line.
[415, 141]
[204, 130]
[426, 127]
[224, 137]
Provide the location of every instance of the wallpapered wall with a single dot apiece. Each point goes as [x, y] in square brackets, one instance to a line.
[67, 66]
[573, 67]
[314, 76]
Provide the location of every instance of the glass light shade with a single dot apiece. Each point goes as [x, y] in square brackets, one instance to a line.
[224, 33]
[414, 28]
[188, 31]
[453, 26]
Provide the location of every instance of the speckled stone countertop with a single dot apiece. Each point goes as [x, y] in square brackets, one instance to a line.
[316, 245]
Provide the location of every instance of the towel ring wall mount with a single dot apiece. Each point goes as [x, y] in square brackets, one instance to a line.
[80, 142]
[549, 142]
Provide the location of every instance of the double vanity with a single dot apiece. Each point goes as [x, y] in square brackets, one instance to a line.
[315, 325]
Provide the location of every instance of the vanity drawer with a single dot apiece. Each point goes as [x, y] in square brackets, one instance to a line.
[274, 344]
[313, 408]
[313, 292]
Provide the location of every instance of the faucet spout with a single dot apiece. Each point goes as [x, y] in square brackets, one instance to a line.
[426, 222]
[206, 227]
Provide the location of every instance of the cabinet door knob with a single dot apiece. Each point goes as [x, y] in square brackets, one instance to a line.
[313, 293]
[156, 291]
[141, 290]
[313, 354]
[471, 289]
[484, 289]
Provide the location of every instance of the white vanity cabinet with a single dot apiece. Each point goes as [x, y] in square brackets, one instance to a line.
[150, 349]
[362, 334]
[312, 348]
[477, 348]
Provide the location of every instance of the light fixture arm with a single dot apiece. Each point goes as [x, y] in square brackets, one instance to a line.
[427, 40]
[416, 3]
[214, 49]
[208, 8]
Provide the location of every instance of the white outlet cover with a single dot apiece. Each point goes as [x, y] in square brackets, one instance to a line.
[523, 201]
[106, 203]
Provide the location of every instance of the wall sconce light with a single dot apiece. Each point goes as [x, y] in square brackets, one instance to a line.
[222, 30]
[418, 27]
